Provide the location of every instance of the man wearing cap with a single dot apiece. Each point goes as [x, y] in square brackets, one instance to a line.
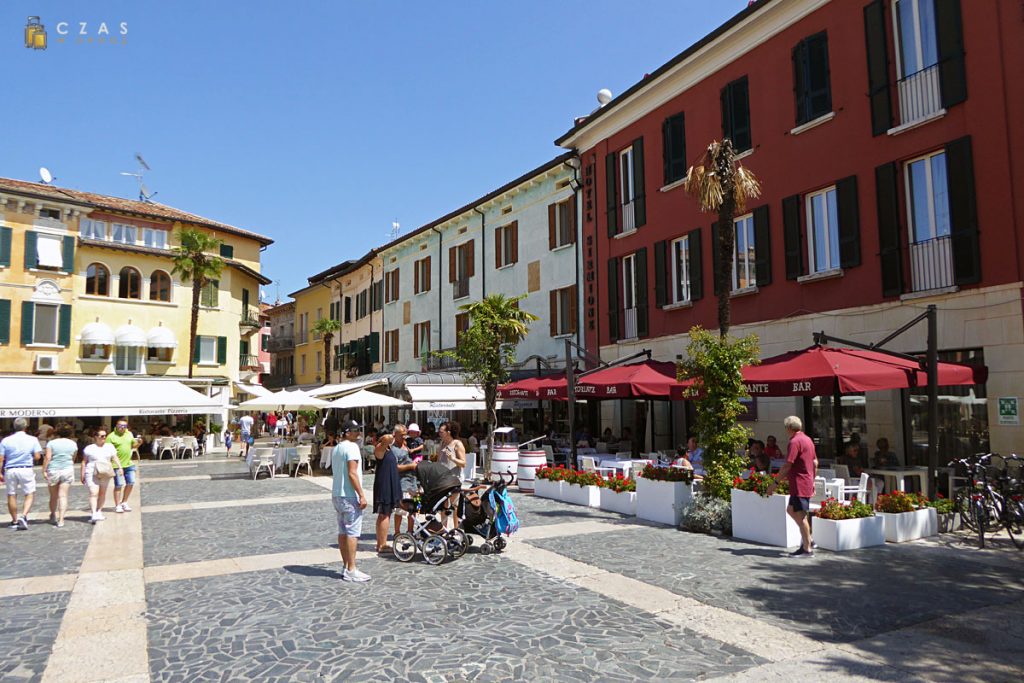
[19, 452]
[348, 497]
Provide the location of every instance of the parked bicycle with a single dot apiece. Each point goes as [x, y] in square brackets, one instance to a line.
[994, 497]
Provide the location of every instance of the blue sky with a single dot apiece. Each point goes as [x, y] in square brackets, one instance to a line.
[319, 123]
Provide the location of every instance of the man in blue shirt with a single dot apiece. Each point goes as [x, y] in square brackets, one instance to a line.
[19, 452]
[348, 497]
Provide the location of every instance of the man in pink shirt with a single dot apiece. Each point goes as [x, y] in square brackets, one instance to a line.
[800, 467]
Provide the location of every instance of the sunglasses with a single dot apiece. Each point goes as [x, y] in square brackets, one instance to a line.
[101, 436]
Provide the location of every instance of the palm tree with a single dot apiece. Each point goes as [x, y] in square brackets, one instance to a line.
[327, 327]
[194, 262]
[487, 349]
[721, 185]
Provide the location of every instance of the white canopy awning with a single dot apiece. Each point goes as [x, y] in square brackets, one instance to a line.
[366, 399]
[97, 333]
[284, 400]
[161, 338]
[129, 335]
[331, 390]
[49, 252]
[253, 389]
[428, 397]
[96, 396]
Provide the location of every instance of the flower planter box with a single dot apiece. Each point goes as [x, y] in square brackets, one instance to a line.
[901, 527]
[949, 521]
[662, 501]
[848, 534]
[763, 520]
[590, 496]
[545, 488]
[624, 502]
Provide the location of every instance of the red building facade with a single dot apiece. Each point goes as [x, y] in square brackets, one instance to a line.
[882, 134]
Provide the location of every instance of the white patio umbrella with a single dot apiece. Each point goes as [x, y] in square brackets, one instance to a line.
[284, 400]
[366, 399]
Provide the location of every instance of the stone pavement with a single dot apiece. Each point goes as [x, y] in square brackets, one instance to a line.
[217, 577]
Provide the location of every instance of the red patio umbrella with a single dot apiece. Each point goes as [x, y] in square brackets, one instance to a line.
[547, 387]
[649, 379]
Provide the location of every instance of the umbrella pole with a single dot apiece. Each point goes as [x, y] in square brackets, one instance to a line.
[837, 417]
[933, 401]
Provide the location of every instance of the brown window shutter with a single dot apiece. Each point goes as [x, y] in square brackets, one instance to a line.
[572, 220]
[515, 242]
[416, 277]
[552, 210]
[573, 309]
[553, 318]
[396, 284]
[426, 262]
[497, 248]
[470, 259]
[451, 264]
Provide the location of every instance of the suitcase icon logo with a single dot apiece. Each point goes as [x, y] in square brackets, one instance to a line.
[35, 34]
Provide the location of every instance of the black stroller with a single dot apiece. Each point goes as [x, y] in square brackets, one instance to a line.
[429, 536]
[479, 511]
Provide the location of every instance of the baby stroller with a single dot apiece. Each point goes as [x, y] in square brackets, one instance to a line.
[489, 514]
[429, 536]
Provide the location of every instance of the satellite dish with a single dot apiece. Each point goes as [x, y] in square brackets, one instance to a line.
[45, 175]
[142, 162]
[604, 96]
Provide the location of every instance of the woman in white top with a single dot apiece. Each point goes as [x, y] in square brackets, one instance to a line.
[59, 470]
[99, 452]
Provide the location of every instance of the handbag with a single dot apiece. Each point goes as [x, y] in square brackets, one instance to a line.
[102, 470]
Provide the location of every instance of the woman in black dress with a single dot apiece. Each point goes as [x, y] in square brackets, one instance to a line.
[387, 490]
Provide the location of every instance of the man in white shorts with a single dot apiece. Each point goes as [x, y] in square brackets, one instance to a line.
[19, 452]
[245, 423]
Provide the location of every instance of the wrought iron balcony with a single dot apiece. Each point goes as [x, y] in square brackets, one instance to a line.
[435, 362]
[278, 381]
[920, 95]
[247, 361]
[278, 344]
[931, 264]
[250, 318]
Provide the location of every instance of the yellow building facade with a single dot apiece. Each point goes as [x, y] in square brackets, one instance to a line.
[311, 304]
[87, 288]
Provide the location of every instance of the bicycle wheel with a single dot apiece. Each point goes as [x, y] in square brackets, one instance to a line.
[1013, 514]
[979, 514]
[962, 506]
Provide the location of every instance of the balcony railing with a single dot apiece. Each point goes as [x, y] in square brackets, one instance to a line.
[250, 318]
[460, 288]
[278, 381]
[628, 217]
[442, 362]
[247, 361]
[920, 95]
[277, 344]
[931, 264]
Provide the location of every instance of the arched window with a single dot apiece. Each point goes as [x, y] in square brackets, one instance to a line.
[97, 280]
[130, 285]
[159, 286]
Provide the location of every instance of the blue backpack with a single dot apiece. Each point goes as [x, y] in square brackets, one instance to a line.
[506, 521]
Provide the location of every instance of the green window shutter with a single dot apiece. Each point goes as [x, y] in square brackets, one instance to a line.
[69, 255]
[640, 197]
[614, 282]
[31, 255]
[963, 212]
[878, 67]
[660, 273]
[5, 246]
[791, 238]
[5, 321]
[889, 238]
[374, 347]
[28, 311]
[849, 222]
[952, 74]
[227, 251]
[215, 293]
[611, 194]
[196, 356]
[641, 291]
[264, 338]
[64, 326]
[696, 266]
[222, 350]
[245, 302]
[762, 247]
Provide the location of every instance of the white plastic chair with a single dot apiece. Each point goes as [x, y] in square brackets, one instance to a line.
[167, 445]
[549, 455]
[469, 471]
[265, 462]
[589, 464]
[843, 472]
[819, 492]
[826, 474]
[304, 453]
[860, 489]
[188, 445]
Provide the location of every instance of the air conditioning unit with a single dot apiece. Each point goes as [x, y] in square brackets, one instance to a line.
[46, 363]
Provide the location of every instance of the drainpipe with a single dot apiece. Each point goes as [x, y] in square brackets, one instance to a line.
[483, 250]
[440, 298]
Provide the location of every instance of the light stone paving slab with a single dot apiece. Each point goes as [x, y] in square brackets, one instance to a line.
[35, 585]
[235, 565]
[211, 505]
[191, 477]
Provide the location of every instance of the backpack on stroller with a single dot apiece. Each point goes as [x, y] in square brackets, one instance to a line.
[488, 512]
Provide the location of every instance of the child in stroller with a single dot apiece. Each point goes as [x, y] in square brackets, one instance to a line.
[489, 514]
[430, 536]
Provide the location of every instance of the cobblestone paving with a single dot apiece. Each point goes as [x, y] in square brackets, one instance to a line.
[215, 465]
[175, 537]
[28, 627]
[831, 597]
[476, 619]
[239, 487]
[43, 549]
[534, 511]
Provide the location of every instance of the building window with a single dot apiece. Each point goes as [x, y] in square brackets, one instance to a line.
[928, 198]
[681, 270]
[391, 346]
[207, 348]
[303, 328]
[154, 238]
[626, 179]
[227, 251]
[319, 361]
[93, 230]
[461, 268]
[129, 285]
[159, 354]
[421, 340]
[49, 252]
[811, 78]
[302, 364]
[822, 230]
[209, 295]
[97, 280]
[561, 223]
[962, 413]
[319, 316]
[50, 213]
[744, 265]
[159, 286]
[421, 276]
[461, 325]
[563, 311]
[127, 360]
[363, 304]
[96, 351]
[45, 324]
[391, 286]
[918, 46]
[125, 234]
[673, 132]
[736, 114]
[506, 245]
[348, 309]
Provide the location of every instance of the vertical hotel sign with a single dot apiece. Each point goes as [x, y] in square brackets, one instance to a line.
[589, 272]
[35, 34]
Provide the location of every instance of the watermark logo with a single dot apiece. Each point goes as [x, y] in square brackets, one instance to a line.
[35, 34]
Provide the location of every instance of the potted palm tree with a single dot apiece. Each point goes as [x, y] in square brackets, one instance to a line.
[327, 328]
[195, 262]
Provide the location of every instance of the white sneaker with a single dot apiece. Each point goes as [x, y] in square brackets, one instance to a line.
[119, 508]
[92, 518]
[355, 575]
[98, 517]
[125, 507]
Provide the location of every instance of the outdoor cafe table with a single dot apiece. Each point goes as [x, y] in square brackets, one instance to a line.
[899, 474]
[285, 455]
[624, 464]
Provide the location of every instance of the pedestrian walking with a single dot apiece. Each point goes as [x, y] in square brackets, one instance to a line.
[124, 442]
[98, 468]
[245, 423]
[348, 498]
[19, 452]
[799, 469]
[59, 471]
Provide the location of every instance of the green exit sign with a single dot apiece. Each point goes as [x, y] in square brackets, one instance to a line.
[1009, 410]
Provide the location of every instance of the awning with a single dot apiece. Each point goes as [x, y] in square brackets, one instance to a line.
[161, 338]
[94, 396]
[366, 399]
[48, 252]
[548, 387]
[284, 400]
[97, 333]
[253, 389]
[431, 397]
[649, 379]
[331, 390]
[129, 335]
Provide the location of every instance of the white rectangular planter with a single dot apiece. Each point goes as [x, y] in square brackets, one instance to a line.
[624, 502]
[910, 526]
[545, 488]
[662, 501]
[581, 495]
[848, 534]
[763, 520]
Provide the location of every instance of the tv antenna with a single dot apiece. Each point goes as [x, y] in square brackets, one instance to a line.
[395, 229]
[45, 175]
[144, 194]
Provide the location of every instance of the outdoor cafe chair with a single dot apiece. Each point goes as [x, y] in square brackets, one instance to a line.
[843, 472]
[589, 464]
[549, 455]
[304, 453]
[167, 445]
[264, 463]
[189, 445]
[827, 474]
[469, 471]
[860, 489]
[820, 493]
